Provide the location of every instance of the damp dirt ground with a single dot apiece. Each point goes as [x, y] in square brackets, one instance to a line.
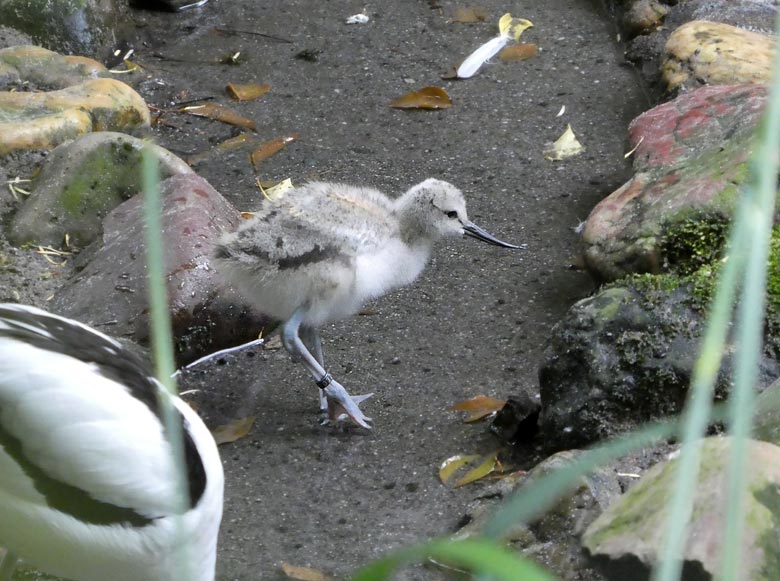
[477, 320]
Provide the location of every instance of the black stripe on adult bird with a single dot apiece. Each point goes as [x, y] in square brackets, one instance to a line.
[317, 253]
[88, 487]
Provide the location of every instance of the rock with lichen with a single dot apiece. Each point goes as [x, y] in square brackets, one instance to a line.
[647, 50]
[711, 53]
[690, 159]
[625, 356]
[80, 183]
[627, 539]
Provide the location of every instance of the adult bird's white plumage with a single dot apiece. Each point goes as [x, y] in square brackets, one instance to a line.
[319, 252]
[87, 478]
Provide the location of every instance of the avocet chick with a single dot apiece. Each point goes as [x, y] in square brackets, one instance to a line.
[317, 253]
[88, 487]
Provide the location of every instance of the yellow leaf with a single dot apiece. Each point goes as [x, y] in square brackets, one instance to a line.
[479, 407]
[487, 466]
[220, 113]
[513, 27]
[565, 146]
[278, 190]
[233, 431]
[518, 52]
[248, 92]
[425, 98]
[452, 464]
[304, 573]
[269, 148]
[469, 15]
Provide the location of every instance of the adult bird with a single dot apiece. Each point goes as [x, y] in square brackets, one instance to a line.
[88, 485]
[317, 253]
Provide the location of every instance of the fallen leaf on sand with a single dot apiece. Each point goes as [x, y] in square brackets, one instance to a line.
[269, 148]
[566, 146]
[221, 113]
[469, 15]
[248, 92]
[479, 407]
[233, 431]
[451, 465]
[482, 466]
[518, 52]
[304, 573]
[276, 191]
[425, 98]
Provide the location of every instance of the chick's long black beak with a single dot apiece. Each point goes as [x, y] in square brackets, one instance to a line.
[471, 229]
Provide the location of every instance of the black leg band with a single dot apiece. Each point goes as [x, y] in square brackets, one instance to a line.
[325, 381]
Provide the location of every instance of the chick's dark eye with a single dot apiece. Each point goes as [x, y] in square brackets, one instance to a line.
[452, 214]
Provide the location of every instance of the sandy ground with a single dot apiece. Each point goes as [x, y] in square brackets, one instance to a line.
[477, 320]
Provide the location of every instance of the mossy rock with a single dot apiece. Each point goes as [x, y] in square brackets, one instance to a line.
[80, 183]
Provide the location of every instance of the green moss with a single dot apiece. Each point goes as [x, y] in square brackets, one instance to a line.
[105, 179]
[693, 241]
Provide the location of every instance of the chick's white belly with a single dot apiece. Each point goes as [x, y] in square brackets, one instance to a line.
[325, 291]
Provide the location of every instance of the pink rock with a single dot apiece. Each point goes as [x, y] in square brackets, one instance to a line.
[110, 292]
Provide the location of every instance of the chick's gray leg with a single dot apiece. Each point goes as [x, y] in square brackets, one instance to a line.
[333, 390]
[311, 339]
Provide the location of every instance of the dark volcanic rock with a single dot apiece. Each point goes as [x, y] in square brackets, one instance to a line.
[110, 292]
[621, 358]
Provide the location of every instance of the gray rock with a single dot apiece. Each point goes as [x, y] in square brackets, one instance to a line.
[626, 539]
[110, 291]
[552, 539]
[766, 422]
[86, 27]
[623, 357]
[80, 183]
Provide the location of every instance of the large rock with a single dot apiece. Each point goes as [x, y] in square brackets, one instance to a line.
[627, 538]
[553, 538]
[38, 68]
[44, 120]
[710, 53]
[74, 27]
[81, 182]
[647, 51]
[110, 292]
[624, 357]
[690, 160]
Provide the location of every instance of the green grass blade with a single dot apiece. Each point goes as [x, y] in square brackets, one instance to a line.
[162, 336]
[543, 492]
[760, 201]
[698, 408]
[484, 556]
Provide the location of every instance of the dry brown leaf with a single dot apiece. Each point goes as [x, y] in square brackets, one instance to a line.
[518, 52]
[233, 431]
[248, 92]
[304, 573]
[469, 15]
[479, 407]
[425, 98]
[247, 215]
[227, 145]
[221, 113]
[267, 149]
